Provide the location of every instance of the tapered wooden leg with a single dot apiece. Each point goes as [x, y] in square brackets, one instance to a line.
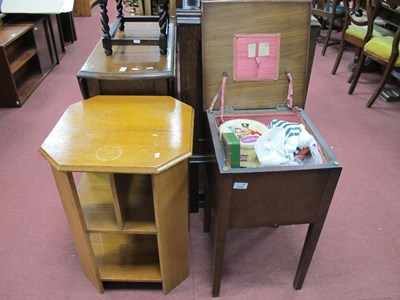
[328, 37]
[355, 62]
[338, 57]
[350, 79]
[357, 55]
[330, 28]
[209, 195]
[375, 95]
[219, 251]
[314, 231]
[381, 85]
[207, 210]
[357, 73]
[221, 227]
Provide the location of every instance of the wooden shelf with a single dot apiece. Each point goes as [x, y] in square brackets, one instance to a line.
[22, 59]
[122, 257]
[23, 64]
[97, 204]
[28, 85]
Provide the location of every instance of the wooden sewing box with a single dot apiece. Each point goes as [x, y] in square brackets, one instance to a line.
[278, 33]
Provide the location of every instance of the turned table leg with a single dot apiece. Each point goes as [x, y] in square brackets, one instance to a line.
[107, 44]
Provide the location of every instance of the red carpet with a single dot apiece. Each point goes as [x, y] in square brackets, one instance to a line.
[358, 253]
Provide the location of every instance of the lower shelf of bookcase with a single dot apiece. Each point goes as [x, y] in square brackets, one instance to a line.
[126, 257]
[150, 273]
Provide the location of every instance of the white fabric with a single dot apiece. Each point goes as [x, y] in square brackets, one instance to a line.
[37, 7]
[282, 141]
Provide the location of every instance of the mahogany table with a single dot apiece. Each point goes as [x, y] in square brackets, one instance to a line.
[131, 70]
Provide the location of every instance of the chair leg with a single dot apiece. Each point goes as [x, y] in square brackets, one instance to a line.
[328, 36]
[338, 57]
[357, 55]
[385, 77]
[351, 77]
[356, 59]
[375, 95]
[356, 73]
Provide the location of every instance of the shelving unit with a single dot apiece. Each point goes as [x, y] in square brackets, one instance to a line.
[128, 206]
[124, 241]
[17, 50]
[25, 59]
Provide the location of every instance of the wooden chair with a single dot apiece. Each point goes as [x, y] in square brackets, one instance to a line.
[111, 38]
[354, 32]
[327, 11]
[382, 49]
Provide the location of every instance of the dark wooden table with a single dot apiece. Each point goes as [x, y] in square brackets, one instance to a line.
[131, 70]
[110, 37]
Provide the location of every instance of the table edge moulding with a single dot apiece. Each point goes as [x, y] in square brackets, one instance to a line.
[120, 164]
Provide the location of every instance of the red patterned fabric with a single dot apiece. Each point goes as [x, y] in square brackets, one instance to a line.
[256, 57]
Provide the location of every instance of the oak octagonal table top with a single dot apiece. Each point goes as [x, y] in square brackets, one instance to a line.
[121, 134]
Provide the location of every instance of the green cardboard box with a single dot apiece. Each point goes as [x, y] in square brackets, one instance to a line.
[231, 146]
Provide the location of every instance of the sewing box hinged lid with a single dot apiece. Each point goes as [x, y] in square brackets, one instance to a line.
[257, 43]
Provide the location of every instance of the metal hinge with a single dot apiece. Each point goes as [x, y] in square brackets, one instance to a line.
[281, 107]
